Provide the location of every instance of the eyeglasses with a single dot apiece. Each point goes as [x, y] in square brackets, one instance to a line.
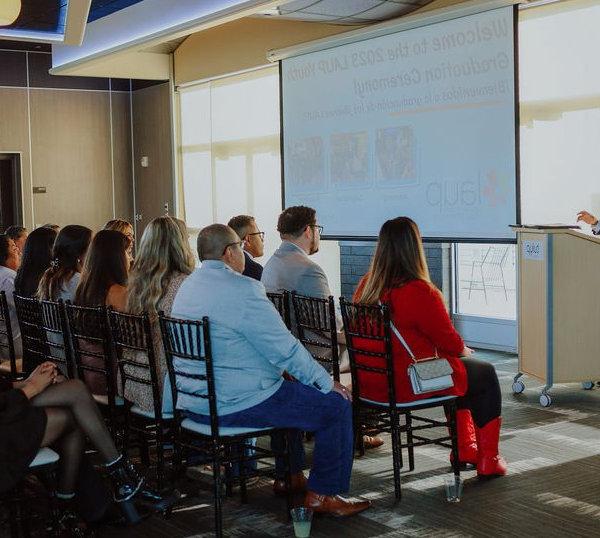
[262, 235]
[318, 227]
[238, 243]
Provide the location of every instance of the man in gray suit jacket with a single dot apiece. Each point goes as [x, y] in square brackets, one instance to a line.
[251, 349]
[291, 269]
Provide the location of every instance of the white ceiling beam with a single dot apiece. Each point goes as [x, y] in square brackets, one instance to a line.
[148, 23]
[77, 16]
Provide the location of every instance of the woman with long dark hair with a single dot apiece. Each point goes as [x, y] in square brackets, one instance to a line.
[399, 277]
[104, 276]
[103, 283]
[37, 255]
[68, 254]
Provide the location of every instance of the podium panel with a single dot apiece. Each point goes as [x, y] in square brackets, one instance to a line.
[558, 307]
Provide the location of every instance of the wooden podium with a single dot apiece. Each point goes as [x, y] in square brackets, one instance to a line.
[558, 308]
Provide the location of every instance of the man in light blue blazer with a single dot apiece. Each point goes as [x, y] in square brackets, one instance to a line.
[251, 349]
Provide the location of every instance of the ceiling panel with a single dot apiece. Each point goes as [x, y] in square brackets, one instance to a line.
[344, 11]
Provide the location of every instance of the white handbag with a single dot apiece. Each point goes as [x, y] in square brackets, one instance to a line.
[426, 375]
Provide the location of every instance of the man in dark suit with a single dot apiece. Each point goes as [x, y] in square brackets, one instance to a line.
[253, 243]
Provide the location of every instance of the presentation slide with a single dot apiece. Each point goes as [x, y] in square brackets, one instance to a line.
[419, 123]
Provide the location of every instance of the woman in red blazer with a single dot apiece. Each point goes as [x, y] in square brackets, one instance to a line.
[399, 277]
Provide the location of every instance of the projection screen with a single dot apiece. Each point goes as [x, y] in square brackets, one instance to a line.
[418, 123]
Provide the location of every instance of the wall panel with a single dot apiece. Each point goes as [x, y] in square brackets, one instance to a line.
[71, 157]
[121, 129]
[152, 139]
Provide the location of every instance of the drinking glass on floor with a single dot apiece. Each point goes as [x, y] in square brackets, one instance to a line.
[302, 519]
[453, 488]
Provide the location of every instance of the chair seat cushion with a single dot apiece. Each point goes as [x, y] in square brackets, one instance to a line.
[45, 456]
[5, 366]
[204, 429]
[136, 410]
[103, 399]
[408, 405]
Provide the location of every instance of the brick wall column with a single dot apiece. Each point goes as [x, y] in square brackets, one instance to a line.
[355, 258]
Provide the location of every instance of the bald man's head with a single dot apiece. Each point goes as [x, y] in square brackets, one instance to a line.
[220, 242]
[213, 240]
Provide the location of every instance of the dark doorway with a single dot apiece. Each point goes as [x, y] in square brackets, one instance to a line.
[10, 190]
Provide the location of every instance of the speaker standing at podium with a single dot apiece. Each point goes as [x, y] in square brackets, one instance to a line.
[589, 219]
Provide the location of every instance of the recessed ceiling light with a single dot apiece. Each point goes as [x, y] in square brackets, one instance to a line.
[9, 11]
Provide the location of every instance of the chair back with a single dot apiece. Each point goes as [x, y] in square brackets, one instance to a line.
[55, 336]
[29, 314]
[189, 361]
[281, 301]
[136, 357]
[317, 329]
[369, 343]
[93, 351]
[7, 345]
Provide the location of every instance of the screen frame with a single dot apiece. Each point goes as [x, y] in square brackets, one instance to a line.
[427, 239]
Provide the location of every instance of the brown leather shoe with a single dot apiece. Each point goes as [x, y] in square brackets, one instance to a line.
[334, 505]
[372, 442]
[298, 484]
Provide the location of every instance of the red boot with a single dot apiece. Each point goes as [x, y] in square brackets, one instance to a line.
[467, 442]
[490, 463]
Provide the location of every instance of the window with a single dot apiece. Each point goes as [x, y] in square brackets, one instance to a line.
[230, 151]
[230, 158]
[486, 280]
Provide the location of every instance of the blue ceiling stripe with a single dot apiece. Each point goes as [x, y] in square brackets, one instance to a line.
[103, 8]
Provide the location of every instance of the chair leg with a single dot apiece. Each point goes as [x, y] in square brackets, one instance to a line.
[396, 454]
[359, 443]
[144, 450]
[410, 441]
[289, 498]
[450, 410]
[217, 495]
[242, 472]
[160, 457]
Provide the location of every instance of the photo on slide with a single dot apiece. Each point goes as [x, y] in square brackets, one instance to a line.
[350, 159]
[395, 155]
[306, 171]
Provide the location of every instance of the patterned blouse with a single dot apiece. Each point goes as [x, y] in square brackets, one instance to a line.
[138, 393]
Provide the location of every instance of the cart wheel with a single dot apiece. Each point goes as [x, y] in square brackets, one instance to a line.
[587, 385]
[518, 387]
[545, 400]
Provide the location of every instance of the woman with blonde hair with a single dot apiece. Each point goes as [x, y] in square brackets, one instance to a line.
[399, 277]
[164, 260]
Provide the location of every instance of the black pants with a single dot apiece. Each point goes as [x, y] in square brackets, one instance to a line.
[483, 397]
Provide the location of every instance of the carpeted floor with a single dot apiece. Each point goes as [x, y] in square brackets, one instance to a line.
[552, 490]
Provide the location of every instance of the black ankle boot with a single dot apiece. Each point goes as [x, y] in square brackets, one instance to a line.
[126, 480]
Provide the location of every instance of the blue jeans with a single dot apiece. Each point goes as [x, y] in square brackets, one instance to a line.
[304, 408]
